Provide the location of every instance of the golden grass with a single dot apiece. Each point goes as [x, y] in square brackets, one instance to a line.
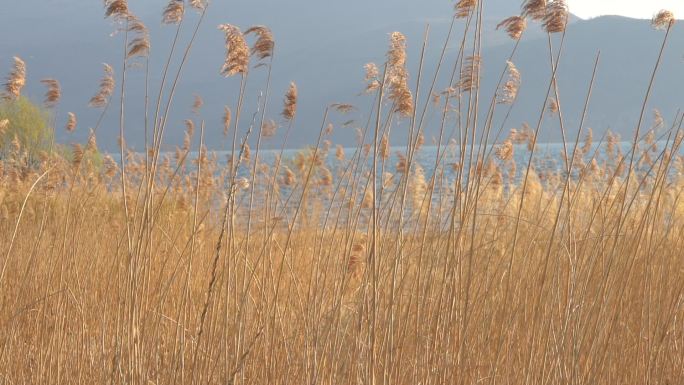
[352, 267]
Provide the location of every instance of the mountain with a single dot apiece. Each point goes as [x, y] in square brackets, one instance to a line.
[322, 46]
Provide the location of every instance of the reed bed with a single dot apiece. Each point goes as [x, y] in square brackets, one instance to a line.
[345, 266]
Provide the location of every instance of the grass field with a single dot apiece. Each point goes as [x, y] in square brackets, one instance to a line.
[338, 266]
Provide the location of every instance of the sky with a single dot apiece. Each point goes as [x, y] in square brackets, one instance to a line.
[630, 8]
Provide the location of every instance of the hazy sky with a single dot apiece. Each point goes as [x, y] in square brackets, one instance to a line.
[631, 8]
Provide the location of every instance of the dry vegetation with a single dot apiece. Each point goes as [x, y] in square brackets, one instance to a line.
[334, 268]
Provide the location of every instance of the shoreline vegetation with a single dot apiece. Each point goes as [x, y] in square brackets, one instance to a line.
[341, 265]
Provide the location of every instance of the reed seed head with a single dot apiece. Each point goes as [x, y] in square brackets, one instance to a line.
[237, 51]
[264, 45]
[372, 77]
[71, 122]
[117, 9]
[399, 92]
[509, 90]
[226, 120]
[16, 79]
[139, 46]
[4, 124]
[173, 13]
[199, 5]
[470, 75]
[197, 104]
[464, 8]
[663, 19]
[290, 105]
[269, 128]
[514, 26]
[505, 151]
[384, 147]
[53, 93]
[535, 9]
[556, 17]
[107, 85]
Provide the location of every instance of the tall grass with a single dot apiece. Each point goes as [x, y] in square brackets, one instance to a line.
[163, 268]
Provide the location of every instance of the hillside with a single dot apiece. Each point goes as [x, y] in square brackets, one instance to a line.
[324, 49]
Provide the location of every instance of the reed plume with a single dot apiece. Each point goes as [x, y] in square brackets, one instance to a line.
[509, 90]
[264, 45]
[4, 124]
[343, 108]
[535, 9]
[396, 56]
[237, 51]
[505, 151]
[71, 122]
[611, 143]
[290, 104]
[588, 141]
[384, 147]
[663, 19]
[173, 13]
[464, 8]
[514, 26]
[399, 91]
[227, 116]
[16, 79]
[117, 9]
[91, 145]
[372, 75]
[470, 74]
[197, 104]
[199, 5]
[107, 85]
[189, 127]
[269, 128]
[140, 44]
[556, 17]
[553, 106]
[53, 93]
[77, 155]
[658, 121]
[289, 178]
